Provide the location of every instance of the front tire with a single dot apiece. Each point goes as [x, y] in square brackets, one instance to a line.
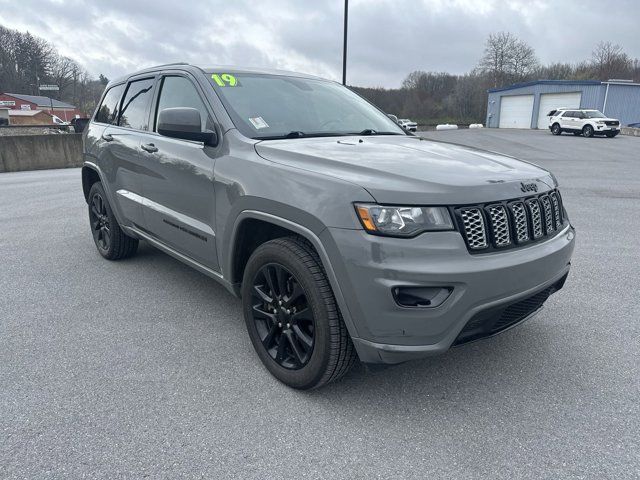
[292, 317]
[587, 131]
[112, 243]
[555, 129]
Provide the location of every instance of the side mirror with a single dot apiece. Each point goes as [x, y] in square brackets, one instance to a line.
[393, 117]
[184, 123]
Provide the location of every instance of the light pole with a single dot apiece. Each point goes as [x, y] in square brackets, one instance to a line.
[344, 47]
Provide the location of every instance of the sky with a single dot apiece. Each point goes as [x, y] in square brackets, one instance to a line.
[387, 38]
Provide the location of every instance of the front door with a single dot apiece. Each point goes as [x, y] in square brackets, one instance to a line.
[179, 205]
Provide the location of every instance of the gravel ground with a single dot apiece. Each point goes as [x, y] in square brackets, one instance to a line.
[142, 368]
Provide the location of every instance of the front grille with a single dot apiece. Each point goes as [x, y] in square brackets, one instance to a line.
[507, 224]
[612, 123]
[494, 320]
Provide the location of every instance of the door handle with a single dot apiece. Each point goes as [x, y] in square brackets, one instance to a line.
[107, 137]
[149, 147]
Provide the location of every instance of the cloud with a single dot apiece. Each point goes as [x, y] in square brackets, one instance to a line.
[387, 38]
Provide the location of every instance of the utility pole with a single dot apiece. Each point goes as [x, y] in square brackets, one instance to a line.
[344, 48]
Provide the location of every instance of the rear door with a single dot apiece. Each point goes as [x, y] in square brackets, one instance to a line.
[567, 120]
[116, 153]
[124, 139]
[179, 207]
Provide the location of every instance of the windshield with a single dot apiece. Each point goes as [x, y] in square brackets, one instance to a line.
[274, 106]
[594, 114]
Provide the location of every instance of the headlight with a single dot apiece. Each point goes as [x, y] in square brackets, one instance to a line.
[600, 121]
[403, 221]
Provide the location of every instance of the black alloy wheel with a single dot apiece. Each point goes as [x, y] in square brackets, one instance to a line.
[555, 129]
[100, 224]
[111, 241]
[283, 317]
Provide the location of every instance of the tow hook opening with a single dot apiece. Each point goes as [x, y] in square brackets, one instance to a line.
[421, 297]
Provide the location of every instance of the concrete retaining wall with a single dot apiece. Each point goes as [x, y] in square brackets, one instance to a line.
[39, 152]
[630, 131]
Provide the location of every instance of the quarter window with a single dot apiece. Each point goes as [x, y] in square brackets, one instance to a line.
[135, 107]
[108, 111]
[180, 92]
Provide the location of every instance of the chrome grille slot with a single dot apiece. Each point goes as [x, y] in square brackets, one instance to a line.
[557, 214]
[499, 225]
[474, 229]
[548, 215]
[536, 217]
[521, 222]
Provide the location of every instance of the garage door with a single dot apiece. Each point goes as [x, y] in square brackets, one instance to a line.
[551, 101]
[516, 111]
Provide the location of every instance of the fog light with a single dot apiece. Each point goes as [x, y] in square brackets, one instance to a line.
[421, 297]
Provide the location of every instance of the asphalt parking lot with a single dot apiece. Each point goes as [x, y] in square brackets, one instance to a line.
[143, 368]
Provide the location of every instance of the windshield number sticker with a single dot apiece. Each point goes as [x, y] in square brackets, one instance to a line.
[258, 123]
[225, 80]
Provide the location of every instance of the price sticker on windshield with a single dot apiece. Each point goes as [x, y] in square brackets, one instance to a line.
[225, 80]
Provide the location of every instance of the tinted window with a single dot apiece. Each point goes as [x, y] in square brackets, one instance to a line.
[180, 92]
[568, 114]
[551, 113]
[135, 107]
[108, 111]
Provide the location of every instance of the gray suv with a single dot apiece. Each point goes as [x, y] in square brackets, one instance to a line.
[345, 236]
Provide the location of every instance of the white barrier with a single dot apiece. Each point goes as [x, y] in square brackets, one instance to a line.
[476, 125]
[446, 126]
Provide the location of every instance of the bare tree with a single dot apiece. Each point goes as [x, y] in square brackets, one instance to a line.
[610, 61]
[523, 61]
[507, 59]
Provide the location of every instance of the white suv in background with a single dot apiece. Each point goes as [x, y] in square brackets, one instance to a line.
[582, 122]
[408, 124]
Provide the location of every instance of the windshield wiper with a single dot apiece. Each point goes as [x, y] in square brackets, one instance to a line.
[371, 131]
[299, 134]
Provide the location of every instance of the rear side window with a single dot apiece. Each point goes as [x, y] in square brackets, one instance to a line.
[135, 106]
[180, 92]
[568, 115]
[108, 111]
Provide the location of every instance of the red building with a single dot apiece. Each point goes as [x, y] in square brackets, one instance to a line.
[17, 101]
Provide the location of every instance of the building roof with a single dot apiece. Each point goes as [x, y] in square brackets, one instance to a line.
[25, 113]
[40, 101]
[545, 82]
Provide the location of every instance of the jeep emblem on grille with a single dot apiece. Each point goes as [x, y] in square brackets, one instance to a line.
[528, 187]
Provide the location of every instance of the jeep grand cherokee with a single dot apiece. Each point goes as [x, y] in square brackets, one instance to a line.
[345, 236]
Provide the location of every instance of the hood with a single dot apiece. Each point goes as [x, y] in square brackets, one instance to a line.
[411, 170]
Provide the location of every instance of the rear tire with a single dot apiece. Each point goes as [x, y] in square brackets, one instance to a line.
[292, 317]
[555, 129]
[588, 131]
[112, 243]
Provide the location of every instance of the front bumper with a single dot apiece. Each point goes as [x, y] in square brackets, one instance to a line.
[369, 267]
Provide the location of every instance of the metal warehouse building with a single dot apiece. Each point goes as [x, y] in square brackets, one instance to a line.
[525, 105]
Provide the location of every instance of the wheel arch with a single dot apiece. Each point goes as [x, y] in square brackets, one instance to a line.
[90, 175]
[242, 244]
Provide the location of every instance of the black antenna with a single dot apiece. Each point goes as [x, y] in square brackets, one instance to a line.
[344, 49]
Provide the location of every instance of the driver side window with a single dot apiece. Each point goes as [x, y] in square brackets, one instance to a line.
[180, 92]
